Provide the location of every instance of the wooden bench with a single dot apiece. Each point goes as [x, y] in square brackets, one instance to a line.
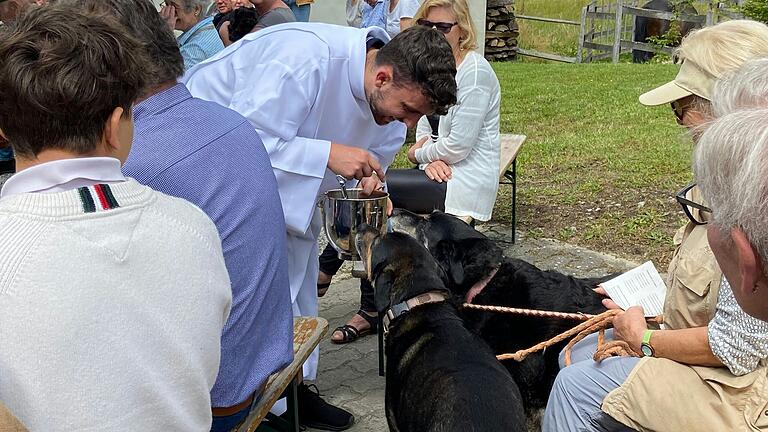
[307, 333]
[8, 422]
[510, 147]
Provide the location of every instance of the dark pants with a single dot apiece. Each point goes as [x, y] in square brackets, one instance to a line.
[330, 264]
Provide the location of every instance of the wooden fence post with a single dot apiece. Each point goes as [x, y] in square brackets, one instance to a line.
[710, 15]
[582, 30]
[618, 31]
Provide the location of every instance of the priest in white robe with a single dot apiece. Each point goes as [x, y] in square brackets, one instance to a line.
[324, 100]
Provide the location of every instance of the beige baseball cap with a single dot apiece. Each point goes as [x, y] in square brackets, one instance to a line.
[689, 80]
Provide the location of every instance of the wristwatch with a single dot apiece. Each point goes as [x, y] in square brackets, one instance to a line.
[645, 345]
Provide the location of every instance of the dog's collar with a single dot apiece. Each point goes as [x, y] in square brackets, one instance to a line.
[478, 287]
[404, 307]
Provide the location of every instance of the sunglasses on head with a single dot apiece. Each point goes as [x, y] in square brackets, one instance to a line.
[444, 27]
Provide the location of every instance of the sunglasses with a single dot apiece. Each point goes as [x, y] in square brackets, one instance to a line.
[695, 211]
[678, 107]
[444, 27]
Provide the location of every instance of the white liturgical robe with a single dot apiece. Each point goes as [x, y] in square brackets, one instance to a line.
[301, 87]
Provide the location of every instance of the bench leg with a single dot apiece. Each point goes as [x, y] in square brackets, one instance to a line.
[514, 198]
[292, 396]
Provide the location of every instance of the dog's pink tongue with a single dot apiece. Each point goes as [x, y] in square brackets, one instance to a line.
[475, 290]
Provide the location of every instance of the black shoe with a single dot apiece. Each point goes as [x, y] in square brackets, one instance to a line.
[316, 413]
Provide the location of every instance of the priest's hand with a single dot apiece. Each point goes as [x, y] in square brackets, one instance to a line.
[353, 162]
[372, 183]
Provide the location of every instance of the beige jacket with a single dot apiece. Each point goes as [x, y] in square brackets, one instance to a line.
[693, 280]
[705, 399]
[9, 423]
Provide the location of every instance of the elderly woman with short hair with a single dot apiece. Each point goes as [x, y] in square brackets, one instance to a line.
[199, 39]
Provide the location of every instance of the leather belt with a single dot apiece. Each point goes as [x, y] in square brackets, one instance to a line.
[234, 409]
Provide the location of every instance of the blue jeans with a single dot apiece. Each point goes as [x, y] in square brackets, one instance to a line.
[227, 423]
[300, 12]
[577, 395]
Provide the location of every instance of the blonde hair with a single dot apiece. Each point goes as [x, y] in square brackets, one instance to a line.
[721, 49]
[460, 9]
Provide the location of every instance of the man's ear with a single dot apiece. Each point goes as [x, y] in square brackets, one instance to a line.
[112, 130]
[118, 135]
[749, 262]
[383, 76]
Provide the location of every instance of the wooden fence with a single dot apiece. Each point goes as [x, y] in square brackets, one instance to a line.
[544, 55]
[607, 31]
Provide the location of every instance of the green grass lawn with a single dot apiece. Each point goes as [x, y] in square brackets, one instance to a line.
[598, 169]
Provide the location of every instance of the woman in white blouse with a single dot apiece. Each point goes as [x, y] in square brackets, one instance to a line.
[464, 154]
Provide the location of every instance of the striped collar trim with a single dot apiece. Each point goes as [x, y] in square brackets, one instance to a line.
[98, 197]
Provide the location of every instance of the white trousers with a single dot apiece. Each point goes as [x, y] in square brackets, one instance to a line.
[302, 275]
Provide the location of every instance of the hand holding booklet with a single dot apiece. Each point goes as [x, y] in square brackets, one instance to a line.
[641, 286]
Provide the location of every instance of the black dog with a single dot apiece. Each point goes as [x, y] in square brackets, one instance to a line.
[469, 259]
[440, 376]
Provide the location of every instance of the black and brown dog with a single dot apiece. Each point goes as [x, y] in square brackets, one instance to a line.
[440, 376]
[479, 273]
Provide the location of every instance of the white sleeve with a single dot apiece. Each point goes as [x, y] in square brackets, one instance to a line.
[423, 129]
[466, 118]
[276, 99]
[737, 339]
[387, 149]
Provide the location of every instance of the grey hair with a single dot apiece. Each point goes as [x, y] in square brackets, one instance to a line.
[731, 168]
[188, 5]
[747, 88]
[141, 19]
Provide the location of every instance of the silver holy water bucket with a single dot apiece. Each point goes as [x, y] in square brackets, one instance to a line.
[342, 217]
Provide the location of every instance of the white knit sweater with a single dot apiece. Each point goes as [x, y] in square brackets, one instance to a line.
[110, 320]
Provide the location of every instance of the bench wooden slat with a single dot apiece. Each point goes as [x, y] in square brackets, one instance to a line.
[307, 333]
[510, 146]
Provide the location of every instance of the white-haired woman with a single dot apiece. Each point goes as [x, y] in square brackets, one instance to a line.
[199, 39]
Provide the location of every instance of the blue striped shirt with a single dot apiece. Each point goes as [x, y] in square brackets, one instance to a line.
[199, 43]
[375, 16]
[212, 156]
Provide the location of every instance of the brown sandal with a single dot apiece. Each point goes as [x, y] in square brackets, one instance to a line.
[350, 333]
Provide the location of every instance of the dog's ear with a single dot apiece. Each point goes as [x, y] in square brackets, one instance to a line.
[449, 258]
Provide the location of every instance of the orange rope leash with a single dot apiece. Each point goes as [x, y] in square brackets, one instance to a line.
[591, 324]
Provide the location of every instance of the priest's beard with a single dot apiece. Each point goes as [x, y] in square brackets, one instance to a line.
[375, 101]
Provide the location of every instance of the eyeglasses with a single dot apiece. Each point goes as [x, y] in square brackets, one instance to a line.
[679, 109]
[694, 211]
[444, 27]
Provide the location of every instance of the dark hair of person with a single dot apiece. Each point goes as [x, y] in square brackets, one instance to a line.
[62, 74]
[144, 23]
[242, 22]
[420, 55]
[221, 18]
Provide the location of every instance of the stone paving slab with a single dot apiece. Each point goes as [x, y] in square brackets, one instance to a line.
[348, 374]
